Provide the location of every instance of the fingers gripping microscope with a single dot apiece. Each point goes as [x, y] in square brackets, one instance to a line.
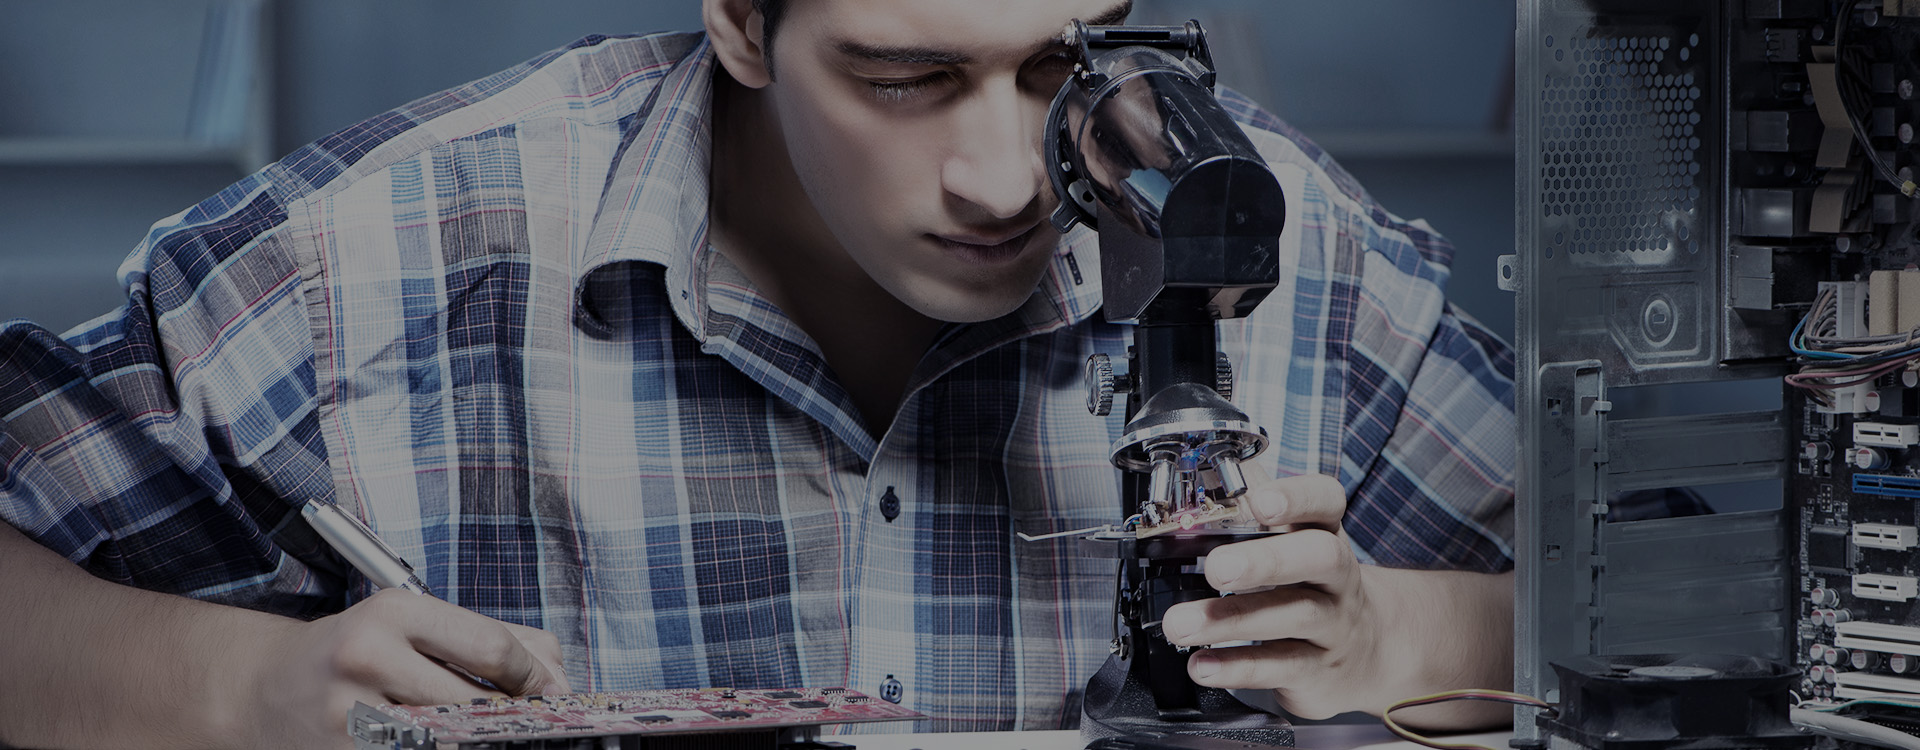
[1189, 220]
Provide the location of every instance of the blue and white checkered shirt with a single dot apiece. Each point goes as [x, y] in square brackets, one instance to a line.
[490, 324]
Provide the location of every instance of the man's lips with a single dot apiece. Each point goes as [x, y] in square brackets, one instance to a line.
[988, 247]
[966, 238]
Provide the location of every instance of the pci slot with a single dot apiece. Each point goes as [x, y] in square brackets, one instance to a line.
[1854, 685]
[1890, 485]
[1874, 636]
[1884, 536]
[1886, 435]
[1885, 588]
[1857, 694]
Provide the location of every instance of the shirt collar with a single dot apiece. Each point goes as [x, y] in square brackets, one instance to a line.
[654, 211]
[654, 208]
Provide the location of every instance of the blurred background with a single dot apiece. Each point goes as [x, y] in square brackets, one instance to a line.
[115, 114]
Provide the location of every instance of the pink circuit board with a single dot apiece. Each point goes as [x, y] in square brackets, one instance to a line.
[639, 712]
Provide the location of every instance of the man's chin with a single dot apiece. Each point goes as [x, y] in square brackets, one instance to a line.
[950, 303]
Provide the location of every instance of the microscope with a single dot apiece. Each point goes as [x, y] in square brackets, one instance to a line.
[1189, 220]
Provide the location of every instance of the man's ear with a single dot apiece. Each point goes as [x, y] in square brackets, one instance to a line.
[736, 30]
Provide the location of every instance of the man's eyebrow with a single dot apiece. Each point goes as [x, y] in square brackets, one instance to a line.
[903, 55]
[911, 55]
[1113, 15]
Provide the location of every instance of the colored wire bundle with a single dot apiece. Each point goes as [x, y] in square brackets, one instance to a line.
[1498, 696]
[1833, 361]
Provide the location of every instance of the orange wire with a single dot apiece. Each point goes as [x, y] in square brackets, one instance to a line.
[1498, 696]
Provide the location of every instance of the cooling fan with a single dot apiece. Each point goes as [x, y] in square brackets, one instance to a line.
[1667, 701]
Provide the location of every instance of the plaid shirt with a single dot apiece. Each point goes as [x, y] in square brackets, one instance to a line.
[490, 324]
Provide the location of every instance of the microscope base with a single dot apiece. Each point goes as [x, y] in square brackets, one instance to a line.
[1118, 704]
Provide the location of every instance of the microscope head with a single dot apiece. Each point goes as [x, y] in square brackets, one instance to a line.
[1138, 148]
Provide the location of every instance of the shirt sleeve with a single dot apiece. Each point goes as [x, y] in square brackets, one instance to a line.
[1439, 494]
[170, 444]
[1402, 396]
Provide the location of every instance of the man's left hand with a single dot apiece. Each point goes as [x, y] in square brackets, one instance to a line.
[1336, 635]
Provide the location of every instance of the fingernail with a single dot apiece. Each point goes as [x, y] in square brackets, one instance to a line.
[1180, 623]
[1223, 568]
[1203, 665]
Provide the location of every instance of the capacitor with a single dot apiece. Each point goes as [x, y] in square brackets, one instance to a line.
[1836, 656]
[1837, 616]
[1861, 659]
[1817, 450]
[1816, 653]
[1908, 377]
[1872, 400]
[1822, 596]
[1869, 459]
[1899, 663]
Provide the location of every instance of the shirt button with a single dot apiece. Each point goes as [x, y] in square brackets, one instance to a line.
[890, 508]
[891, 690]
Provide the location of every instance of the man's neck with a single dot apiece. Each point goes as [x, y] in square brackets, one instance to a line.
[764, 223]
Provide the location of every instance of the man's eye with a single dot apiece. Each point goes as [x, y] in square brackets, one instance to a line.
[1055, 63]
[1049, 72]
[894, 91]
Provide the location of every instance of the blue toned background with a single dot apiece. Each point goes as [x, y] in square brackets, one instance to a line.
[117, 113]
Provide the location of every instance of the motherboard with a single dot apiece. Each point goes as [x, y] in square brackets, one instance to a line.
[1820, 165]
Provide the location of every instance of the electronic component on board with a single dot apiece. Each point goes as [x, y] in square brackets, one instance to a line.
[630, 720]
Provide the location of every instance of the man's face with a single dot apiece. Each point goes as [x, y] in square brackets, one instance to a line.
[915, 129]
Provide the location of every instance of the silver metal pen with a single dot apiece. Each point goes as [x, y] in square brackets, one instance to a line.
[374, 559]
[354, 541]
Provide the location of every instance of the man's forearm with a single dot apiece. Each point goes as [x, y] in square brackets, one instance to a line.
[88, 663]
[1452, 630]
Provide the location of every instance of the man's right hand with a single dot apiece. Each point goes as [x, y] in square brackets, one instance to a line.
[396, 647]
[87, 663]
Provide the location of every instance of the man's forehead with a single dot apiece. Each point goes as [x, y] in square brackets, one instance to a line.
[953, 31]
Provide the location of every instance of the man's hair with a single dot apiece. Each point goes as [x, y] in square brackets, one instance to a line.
[770, 13]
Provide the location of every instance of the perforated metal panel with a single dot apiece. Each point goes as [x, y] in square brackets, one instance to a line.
[1620, 123]
[1620, 145]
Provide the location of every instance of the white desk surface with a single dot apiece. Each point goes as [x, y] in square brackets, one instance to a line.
[1307, 737]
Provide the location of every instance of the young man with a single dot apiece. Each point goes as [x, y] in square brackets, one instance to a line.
[733, 359]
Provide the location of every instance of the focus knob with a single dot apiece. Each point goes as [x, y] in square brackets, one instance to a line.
[1223, 376]
[1100, 385]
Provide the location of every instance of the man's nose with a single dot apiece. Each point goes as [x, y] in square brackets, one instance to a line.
[995, 161]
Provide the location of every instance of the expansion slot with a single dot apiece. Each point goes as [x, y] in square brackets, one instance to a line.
[1856, 685]
[1885, 588]
[1891, 485]
[1885, 536]
[1886, 435]
[1874, 636]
